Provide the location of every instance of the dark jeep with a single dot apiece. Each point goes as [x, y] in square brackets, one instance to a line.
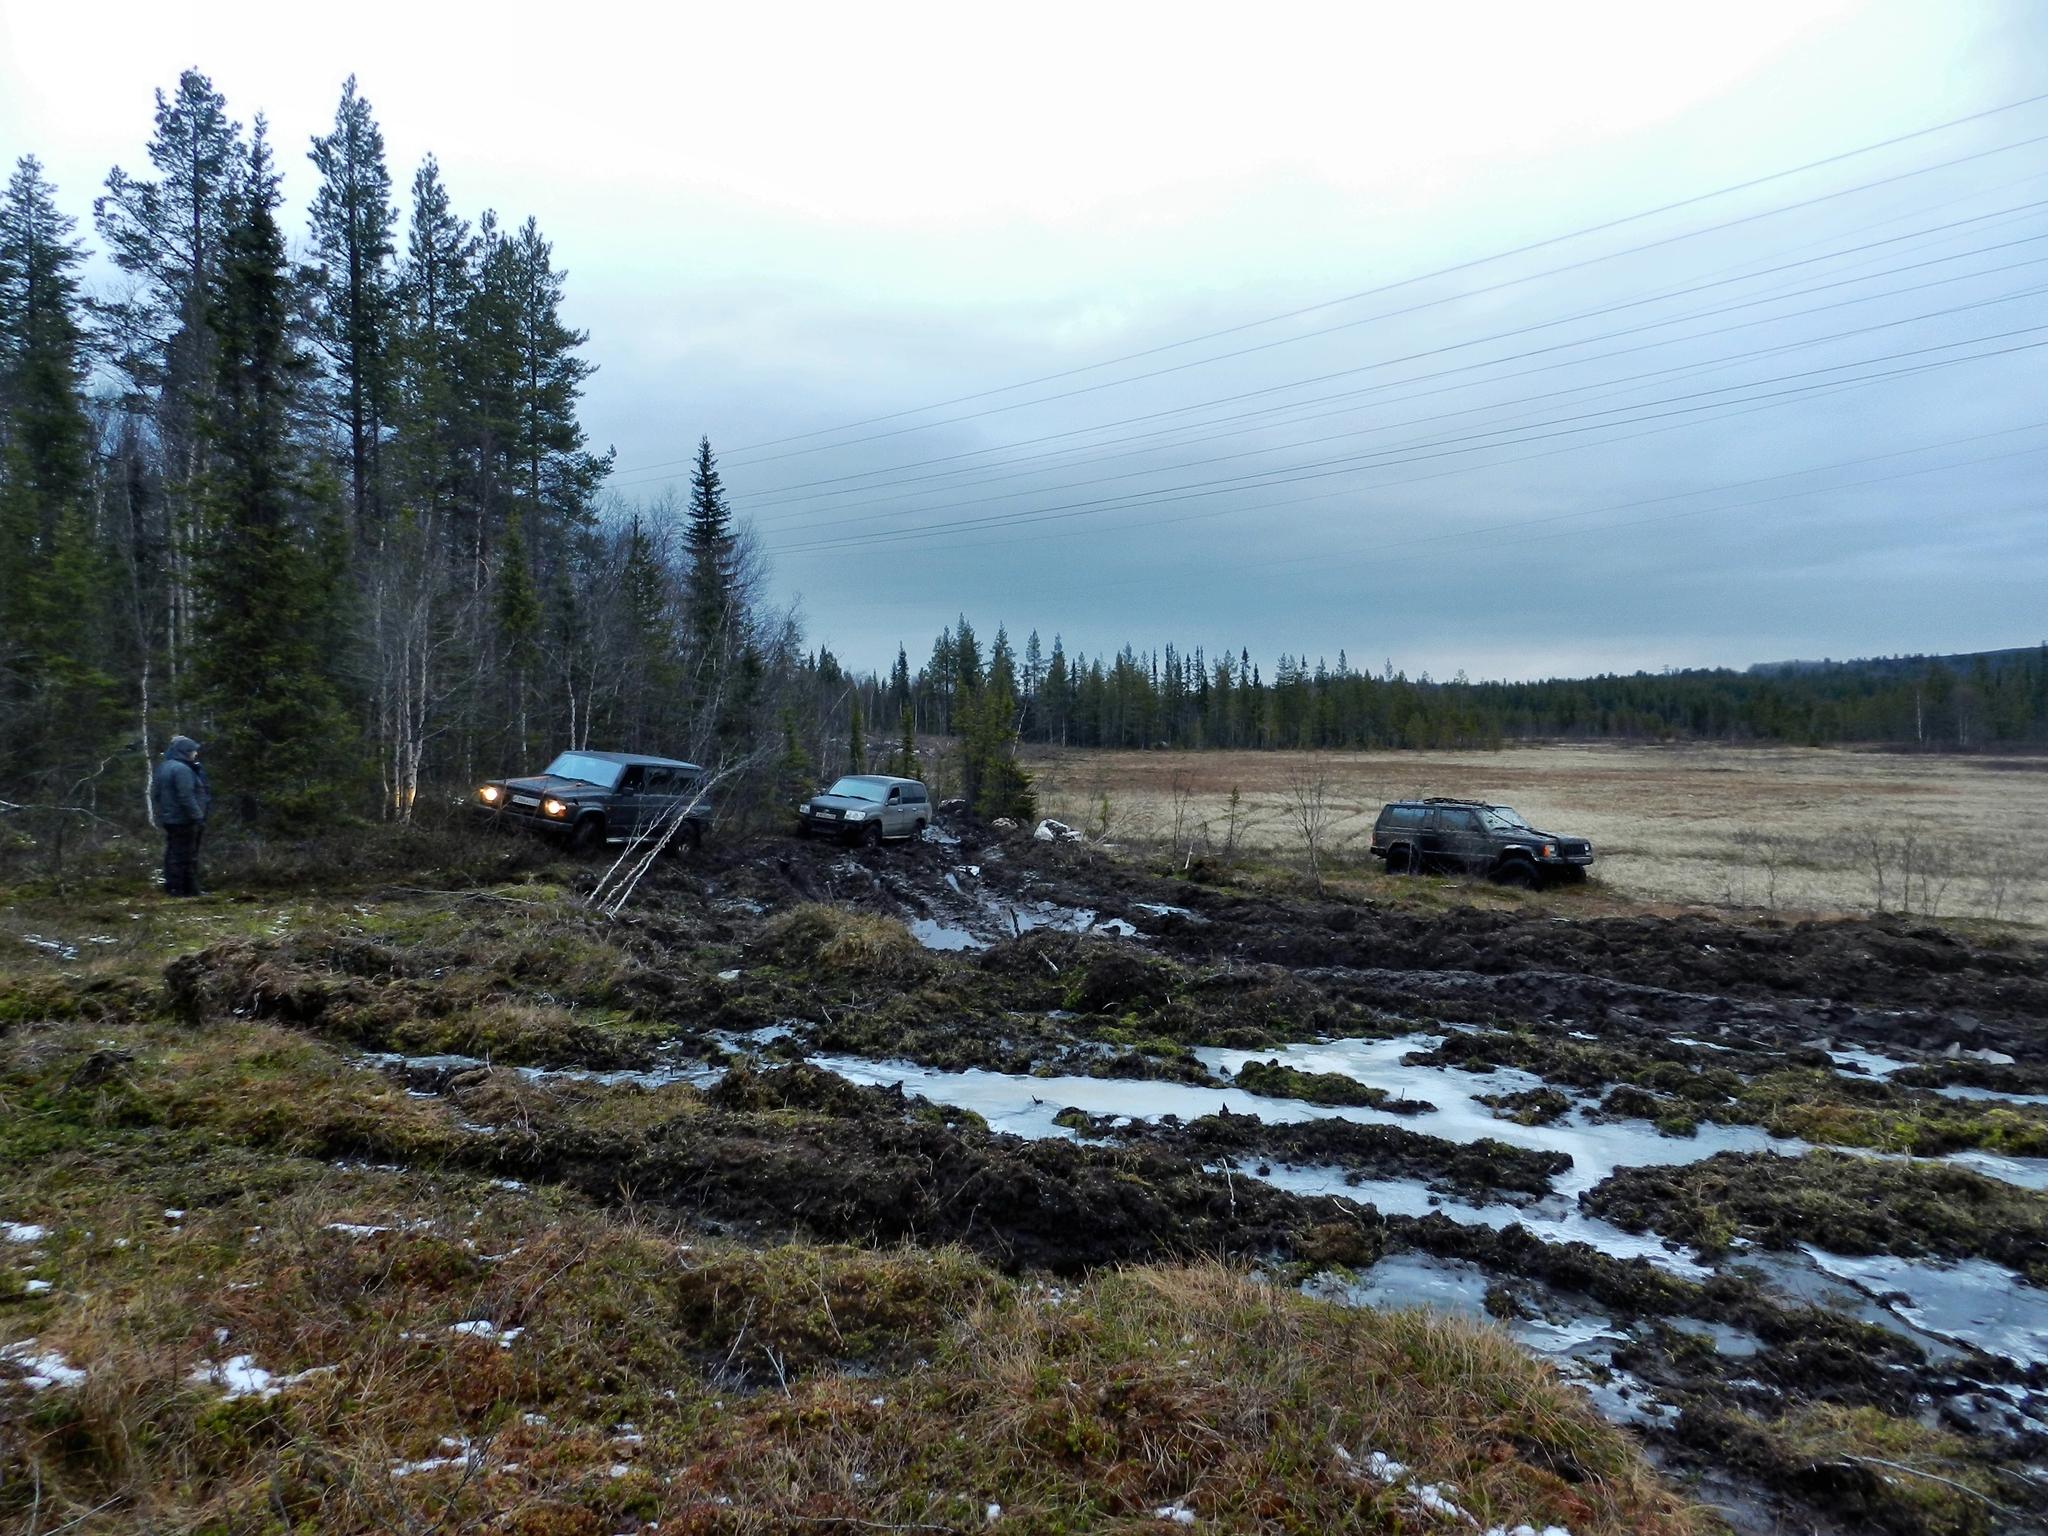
[1474, 838]
[588, 799]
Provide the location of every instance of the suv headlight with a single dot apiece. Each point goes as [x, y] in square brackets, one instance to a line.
[554, 807]
[490, 794]
[856, 815]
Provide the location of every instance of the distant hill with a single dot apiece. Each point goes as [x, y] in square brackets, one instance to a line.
[1893, 666]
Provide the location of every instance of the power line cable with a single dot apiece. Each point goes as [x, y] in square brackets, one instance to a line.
[1639, 302]
[1356, 463]
[733, 455]
[1150, 442]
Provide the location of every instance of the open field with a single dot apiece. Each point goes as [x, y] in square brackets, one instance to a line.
[1780, 828]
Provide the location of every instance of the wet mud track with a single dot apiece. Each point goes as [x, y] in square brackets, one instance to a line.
[1607, 1143]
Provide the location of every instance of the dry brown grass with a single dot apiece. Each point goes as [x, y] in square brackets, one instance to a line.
[1785, 828]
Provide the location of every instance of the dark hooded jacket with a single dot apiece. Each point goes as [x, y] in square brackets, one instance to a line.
[178, 790]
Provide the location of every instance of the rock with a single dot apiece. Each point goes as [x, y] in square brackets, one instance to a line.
[1050, 831]
[953, 807]
[1004, 824]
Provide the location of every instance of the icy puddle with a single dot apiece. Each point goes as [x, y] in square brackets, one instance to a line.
[1025, 1106]
[980, 917]
[1971, 1301]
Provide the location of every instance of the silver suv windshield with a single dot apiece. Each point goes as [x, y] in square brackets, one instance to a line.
[1501, 819]
[860, 789]
[591, 770]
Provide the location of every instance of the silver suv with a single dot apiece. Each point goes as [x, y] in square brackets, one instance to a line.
[867, 807]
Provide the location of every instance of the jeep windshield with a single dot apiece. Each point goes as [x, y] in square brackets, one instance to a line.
[860, 789]
[590, 770]
[1501, 819]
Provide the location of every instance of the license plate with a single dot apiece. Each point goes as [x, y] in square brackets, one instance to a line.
[524, 800]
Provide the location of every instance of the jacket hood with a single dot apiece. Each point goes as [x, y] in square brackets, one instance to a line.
[182, 749]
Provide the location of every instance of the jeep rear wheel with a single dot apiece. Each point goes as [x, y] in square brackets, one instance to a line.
[1516, 874]
[1401, 860]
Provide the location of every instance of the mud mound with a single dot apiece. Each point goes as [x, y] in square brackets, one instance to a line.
[1876, 963]
[805, 1087]
[842, 941]
[1847, 1205]
[254, 981]
[1121, 980]
[365, 995]
[1481, 1170]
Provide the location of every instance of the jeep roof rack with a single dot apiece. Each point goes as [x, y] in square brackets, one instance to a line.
[1450, 800]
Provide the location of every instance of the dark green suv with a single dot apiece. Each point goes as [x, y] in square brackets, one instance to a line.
[1471, 837]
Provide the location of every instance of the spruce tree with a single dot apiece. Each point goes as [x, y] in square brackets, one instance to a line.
[906, 750]
[271, 558]
[354, 302]
[856, 737]
[712, 594]
[726, 669]
[58, 700]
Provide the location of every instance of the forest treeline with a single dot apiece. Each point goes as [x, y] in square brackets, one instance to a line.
[327, 505]
[1185, 699]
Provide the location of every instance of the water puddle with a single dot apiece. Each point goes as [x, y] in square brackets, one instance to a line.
[968, 915]
[1970, 1301]
[1797, 1277]
[1960, 1092]
[2025, 1172]
[1025, 1106]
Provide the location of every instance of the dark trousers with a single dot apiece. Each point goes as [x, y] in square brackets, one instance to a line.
[181, 858]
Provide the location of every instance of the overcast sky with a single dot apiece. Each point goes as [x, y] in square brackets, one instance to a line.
[1304, 389]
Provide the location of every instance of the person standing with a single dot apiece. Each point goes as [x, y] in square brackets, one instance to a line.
[181, 797]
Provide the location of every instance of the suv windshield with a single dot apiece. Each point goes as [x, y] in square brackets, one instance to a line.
[860, 789]
[591, 770]
[1501, 819]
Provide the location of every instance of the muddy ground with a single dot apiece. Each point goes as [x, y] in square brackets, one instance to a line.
[593, 1056]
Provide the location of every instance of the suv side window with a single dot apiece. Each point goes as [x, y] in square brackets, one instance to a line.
[1459, 821]
[1403, 816]
[915, 793]
[632, 781]
[896, 795]
[662, 781]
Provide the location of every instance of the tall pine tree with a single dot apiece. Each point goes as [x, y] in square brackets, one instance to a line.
[354, 302]
[167, 234]
[271, 555]
[433, 289]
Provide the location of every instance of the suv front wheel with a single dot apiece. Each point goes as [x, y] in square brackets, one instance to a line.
[1517, 874]
[587, 835]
